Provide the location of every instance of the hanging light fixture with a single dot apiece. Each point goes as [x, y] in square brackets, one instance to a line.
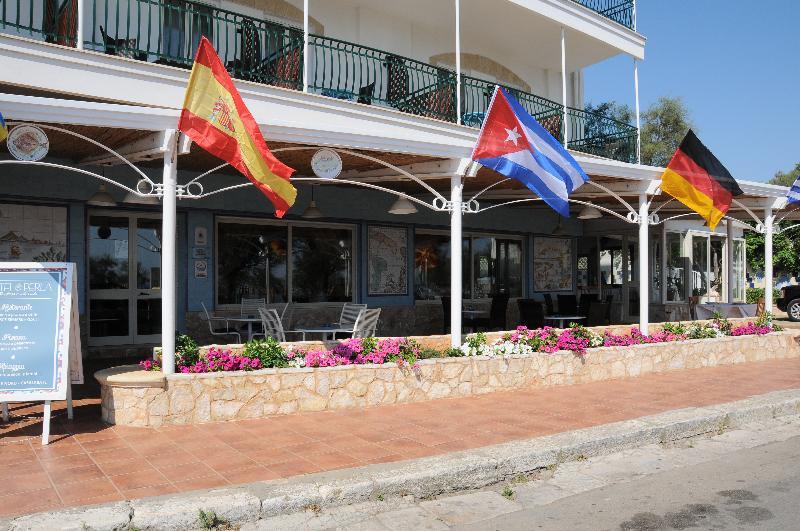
[101, 198]
[589, 212]
[137, 199]
[313, 211]
[402, 207]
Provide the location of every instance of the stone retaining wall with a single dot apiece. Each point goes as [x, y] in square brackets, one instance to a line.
[156, 400]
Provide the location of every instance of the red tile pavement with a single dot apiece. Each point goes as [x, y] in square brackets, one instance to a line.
[90, 462]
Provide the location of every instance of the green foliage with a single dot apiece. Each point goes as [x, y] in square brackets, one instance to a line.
[785, 250]
[678, 329]
[700, 331]
[508, 493]
[786, 178]
[477, 340]
[187, 352]
[722, 323]
[210, 520]
[454, 352]
[268, 350]
[664, 124]
[753, 294]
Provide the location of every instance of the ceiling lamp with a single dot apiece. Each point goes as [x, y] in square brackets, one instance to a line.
[589, 212]
[313, 211]
[402, 207]
[145, 199]
[101, 198]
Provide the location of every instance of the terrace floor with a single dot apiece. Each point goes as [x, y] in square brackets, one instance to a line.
[89, 462]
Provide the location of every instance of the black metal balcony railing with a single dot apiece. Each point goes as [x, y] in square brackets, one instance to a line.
[620, 11]
[168, 32]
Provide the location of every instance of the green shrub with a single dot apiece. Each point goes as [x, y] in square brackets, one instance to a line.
[187, 352]
[678, 329]
[454, 352]
[268, 350]
[753, 294]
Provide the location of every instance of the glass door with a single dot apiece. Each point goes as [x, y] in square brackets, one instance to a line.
[124, 306]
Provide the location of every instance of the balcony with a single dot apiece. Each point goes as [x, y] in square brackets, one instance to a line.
[168, 32]
[620, 11]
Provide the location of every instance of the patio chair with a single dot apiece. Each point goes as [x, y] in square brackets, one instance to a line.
[497, 315]
[567, 304]
[271, 321]
[598, 314]
[217, 330]
[251, 306]
[586, 300]
[366, 93]
[531, 313]
[548, 304]
[445, 314]
[367, 323]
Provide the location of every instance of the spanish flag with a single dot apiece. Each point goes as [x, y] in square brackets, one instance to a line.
[216, 119]
[696, 178]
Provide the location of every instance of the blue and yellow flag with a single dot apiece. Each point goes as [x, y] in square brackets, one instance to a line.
[3, 128]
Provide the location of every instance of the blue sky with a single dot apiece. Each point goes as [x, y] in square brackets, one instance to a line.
[737, 67]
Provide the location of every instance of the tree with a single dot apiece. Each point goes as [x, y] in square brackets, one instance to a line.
[664, 124]
[786, 178]
[785, 247]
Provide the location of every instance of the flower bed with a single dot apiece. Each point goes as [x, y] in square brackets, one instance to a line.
[406, 353]
[351, 375]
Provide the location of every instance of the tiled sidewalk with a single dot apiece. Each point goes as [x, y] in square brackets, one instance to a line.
[89, 462]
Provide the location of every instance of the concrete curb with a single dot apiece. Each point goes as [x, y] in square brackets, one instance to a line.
[421, 478]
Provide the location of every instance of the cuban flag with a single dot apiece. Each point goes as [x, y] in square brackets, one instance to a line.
[514, 144]
[794, 192]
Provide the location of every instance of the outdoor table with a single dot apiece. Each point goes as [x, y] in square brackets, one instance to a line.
[706, 310]
[332, 329]
[562, 318]
[248, 320]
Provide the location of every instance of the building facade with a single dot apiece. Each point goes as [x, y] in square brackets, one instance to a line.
[398, 90]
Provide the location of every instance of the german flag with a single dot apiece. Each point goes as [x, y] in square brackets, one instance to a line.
[216, 119]
[696, 178]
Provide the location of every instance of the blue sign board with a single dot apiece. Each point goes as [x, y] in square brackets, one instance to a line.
[35, 330]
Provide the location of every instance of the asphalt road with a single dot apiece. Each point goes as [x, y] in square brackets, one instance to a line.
[755, 488]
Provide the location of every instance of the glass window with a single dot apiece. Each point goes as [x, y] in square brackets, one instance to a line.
[490, 265]
[676, 268]
[322, 264]
[108, 252]
[655, 268]
[716, 292]
[148, 253]
[431, 266]
[699, 266]
[251, 262]
[738, 271]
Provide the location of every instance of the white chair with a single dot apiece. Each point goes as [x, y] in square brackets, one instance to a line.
[271, 321]
[223, 330]
[350, 313]
[249, 307]
[367, 323]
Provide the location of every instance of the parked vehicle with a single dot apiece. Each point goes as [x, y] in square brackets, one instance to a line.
[790, 302]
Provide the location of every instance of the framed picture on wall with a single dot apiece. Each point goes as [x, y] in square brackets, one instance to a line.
[387, 260]
[33, 233]
[553, 268]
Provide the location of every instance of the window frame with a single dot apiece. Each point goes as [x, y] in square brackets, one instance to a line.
[522, 238]
[288, 224]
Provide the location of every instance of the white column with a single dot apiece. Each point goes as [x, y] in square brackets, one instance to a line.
[564, 82]
[168, 246]
[638, 122]
[456, 187]
[769, 219]
[458, 61]
[79, 26]
[729, 256]
[306, 62]
[644, 265]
